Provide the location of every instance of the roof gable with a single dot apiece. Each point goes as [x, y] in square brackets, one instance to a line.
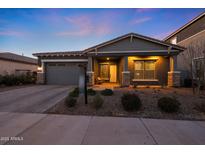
[133, 41]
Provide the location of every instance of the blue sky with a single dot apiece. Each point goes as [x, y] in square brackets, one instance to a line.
[41, 30]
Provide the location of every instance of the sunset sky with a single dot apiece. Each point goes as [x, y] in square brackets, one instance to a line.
[41, 30]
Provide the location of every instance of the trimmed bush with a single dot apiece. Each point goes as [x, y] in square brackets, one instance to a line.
[91, 92]
[10, 80]
[107, 92]
[70, 101]
[168, 104]
[74, 93]
[97, 102]
[131, 102]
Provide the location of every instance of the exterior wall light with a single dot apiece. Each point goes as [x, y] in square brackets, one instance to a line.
[39, 69]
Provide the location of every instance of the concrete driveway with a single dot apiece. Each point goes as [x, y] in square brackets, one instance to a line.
[24, 128]
[34, 99]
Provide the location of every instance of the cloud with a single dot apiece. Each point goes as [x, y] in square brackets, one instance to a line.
[11, 33]
[140, 20]
[85, 25]
[141, 10]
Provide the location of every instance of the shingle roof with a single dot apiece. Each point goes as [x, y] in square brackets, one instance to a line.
[83, 52]
[14, 57]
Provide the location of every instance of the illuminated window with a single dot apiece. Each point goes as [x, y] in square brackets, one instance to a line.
[144, 69]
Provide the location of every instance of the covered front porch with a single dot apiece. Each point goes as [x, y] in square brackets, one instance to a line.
[133, 70]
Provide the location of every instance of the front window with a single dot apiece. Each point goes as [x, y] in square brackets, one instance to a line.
[144, 70]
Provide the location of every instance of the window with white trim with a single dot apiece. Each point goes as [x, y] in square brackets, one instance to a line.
[144, 69]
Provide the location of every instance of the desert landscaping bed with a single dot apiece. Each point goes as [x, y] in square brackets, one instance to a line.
[149, 97]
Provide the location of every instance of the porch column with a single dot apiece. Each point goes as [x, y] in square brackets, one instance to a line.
[40, 72]
[173, 74]
[125, 72]
[90, 72]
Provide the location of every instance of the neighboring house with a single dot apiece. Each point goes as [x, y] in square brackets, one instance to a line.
[127, 60]
[11, 63]
[191, 34]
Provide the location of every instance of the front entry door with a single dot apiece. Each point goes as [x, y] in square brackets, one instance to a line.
[113, 73]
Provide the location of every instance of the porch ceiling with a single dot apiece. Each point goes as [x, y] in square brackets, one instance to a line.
[106, 58]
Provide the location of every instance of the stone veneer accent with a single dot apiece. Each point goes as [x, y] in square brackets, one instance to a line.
[174, 79]
[40, 78]
[91, 77]
[126, 78]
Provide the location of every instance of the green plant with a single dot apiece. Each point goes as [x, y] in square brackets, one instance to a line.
[131, 102]
[97, 102]
[9, 80]
[70, 101]
[168, 104]
[91, 92]
[107, 92]
[74, 93]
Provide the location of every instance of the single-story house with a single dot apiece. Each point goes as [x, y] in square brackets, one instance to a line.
[11, 63]
[129, 59]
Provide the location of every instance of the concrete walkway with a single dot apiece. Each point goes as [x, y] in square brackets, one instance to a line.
[22, 128]
[34, 99]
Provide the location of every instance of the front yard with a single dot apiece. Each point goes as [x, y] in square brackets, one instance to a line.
[112, 105]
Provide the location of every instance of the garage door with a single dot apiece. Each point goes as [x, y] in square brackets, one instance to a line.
[62, 73]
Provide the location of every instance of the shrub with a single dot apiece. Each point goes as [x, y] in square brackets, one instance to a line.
[168, 104]
[74, 93]
[131, 102]
[70, 101]
[97, 102]
[9, 80]
[107, 92]
[91, 92]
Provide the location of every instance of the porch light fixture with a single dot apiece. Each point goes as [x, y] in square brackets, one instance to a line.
[39, 69]
[108, 58]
